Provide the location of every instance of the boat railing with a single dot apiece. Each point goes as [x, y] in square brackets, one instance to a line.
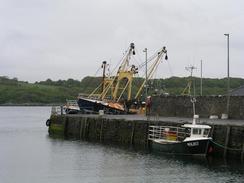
[71, 103]
[170, 133]
[83, 95]
[57, 110]
[93, 97]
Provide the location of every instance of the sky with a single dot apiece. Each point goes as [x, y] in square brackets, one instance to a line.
[61, 39]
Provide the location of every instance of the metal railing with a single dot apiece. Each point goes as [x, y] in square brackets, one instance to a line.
[71, 103]
[57, 110]
[167, 133]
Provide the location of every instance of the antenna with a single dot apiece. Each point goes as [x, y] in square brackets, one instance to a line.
[190, 69]
[201, 80]
[187, 90]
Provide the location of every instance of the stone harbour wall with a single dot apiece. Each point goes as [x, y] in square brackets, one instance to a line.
[181, 106]
[228, 139]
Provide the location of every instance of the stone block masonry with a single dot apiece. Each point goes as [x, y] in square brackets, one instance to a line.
[181, 106]
[132, 130]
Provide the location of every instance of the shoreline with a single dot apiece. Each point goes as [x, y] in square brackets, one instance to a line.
[30, 104]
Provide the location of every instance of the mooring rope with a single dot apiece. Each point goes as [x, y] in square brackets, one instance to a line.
[224, 147]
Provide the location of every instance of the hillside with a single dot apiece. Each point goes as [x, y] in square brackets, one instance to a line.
[17, 92]
[14, 92]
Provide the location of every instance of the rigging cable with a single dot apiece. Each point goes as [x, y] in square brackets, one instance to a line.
[150, 59]
[90, 79]
[170, 68]
[119, 63]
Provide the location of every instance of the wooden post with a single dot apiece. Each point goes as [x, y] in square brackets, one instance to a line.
[227, 140]
[132, 133]
[101, 131]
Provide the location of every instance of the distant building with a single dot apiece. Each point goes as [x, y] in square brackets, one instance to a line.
[238, 91]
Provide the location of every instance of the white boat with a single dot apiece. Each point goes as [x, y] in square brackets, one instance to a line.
[189, 139]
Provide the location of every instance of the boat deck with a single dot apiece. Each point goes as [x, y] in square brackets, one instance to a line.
[163, 141]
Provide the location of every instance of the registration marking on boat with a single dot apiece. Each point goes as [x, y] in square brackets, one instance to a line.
[191, 144]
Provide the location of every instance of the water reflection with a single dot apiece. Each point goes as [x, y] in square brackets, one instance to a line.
[107, 163]
[28, 154]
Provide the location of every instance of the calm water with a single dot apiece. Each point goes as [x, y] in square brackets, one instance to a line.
[29, 155]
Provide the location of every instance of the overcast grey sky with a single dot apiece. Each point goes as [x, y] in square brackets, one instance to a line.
[61, 39]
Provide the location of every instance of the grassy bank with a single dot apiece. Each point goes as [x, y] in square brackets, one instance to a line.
[14, 92]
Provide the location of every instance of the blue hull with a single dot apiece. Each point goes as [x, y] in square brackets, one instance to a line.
[87, 105]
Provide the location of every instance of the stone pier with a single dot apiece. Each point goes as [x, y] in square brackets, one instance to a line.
[132, 130]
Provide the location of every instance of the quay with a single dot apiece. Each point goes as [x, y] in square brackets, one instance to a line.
[132, 130]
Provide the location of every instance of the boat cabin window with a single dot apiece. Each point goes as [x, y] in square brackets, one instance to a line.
[197, 131]
[206, 132]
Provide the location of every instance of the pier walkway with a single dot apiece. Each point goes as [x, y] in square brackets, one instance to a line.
[225, 122]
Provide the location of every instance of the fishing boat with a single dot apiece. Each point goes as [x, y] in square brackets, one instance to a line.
[114, 95]
[189, 139]
[89, 106]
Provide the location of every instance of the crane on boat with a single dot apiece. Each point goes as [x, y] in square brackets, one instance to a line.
[114, 87]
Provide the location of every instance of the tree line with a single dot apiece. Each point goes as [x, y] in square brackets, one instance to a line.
[13, 91]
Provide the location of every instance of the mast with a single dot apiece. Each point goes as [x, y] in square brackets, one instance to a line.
[145, 50]
[104, 70]
[228, 74]
[201, 79]
[187, 90]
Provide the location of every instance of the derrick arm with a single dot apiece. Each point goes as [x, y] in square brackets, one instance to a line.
[122, 71]
[153, 68]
